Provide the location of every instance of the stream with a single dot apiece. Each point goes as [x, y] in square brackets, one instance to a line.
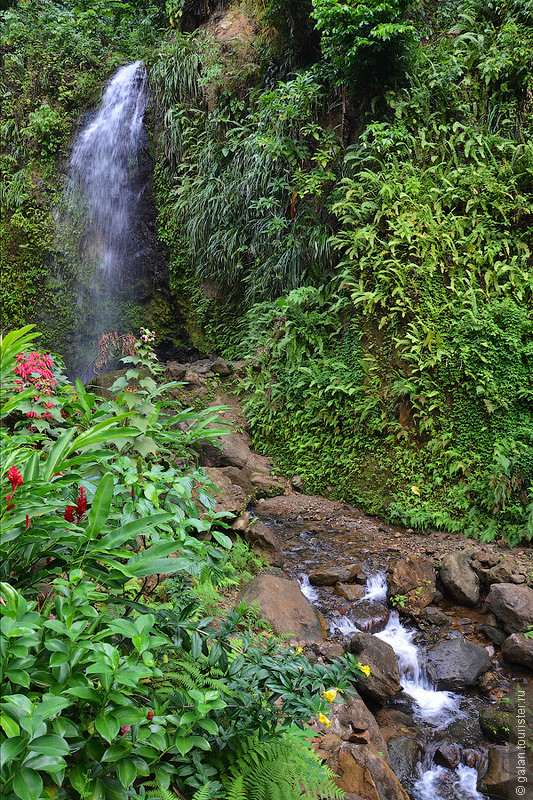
[442, 717]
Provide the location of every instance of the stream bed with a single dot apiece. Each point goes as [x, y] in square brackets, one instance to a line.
[445, 721]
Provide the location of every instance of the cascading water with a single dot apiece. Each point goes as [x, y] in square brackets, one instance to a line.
[434, 709]
[99, 227]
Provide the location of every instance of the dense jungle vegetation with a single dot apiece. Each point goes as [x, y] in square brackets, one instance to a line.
[345, 199]
[344, 196]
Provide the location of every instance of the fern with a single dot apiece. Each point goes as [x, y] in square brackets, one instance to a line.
[279, 769]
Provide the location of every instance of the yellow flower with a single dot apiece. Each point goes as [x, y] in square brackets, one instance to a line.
[330, 695]
[365, 669]
[415, 490]
[299, 650]
[322, 718]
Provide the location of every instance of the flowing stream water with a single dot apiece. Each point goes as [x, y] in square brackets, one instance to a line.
[99, 226]
[433, 708]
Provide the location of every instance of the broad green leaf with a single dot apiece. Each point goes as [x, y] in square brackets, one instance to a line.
[126, 772]
[107, 726]
[11, 748]
[50, 745]
[131, 530]
[100, 506]
[58, 452]
[27, 784]
[9, 726]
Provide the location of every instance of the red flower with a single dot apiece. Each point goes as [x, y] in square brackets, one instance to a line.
[69, 513]
[150, 714]
[14, 477]
[28, 521]
[124, 729]
[81, 504]
[10, 505]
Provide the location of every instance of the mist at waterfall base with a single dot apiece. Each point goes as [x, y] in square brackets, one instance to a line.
[433, 708]
[99, 225]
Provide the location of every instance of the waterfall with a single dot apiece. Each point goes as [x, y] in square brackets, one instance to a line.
[99, 224]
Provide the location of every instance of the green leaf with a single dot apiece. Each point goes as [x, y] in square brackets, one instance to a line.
[107, 726]
[131, 530]
[222, 539]
[100, 506]
[9, 726]
[126, 773]
[11, 748]
[27, 784]
[50, 745]
[57, 454]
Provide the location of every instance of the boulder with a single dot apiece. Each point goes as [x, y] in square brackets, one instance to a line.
[459, 578]
[265, 542]
[220, 367]
[512, 605]
[361, 770]
[502, 572]
[329, 576]
[266, 485]
[282, 603]
[384, 679]
[239, 478]
[496, 724]
[500, 778]
[176, 371]
[516, 649]
[414, 578]
[226, 451]
[434, 616]
[448, 754]
[456, 664]
[231, 498]
[404, 754]
[349, 591]
[351, 719]
[370, 616]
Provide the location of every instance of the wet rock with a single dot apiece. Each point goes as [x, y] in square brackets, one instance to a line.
[395, 724]
[329, 576]
[282, 603]
[266, 485]
[493, 633]
[501, 572]
[456, 664]
[176, 371]
[413, 578]
[516, 649]
[500, 777]
[220, 367]
[363, 772]
[265, 542]
[349, 591]
[231, 498]
[259, 464]
[370, 616]
[512, 605]
[488, 682]
[459, 578]
[239, 478]
[384, 679]
[496, 724]
[448, 754]
[434, 616]
[404, 754]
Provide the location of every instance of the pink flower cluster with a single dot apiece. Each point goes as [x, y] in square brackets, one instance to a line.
[35, 371]
[112, 346]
